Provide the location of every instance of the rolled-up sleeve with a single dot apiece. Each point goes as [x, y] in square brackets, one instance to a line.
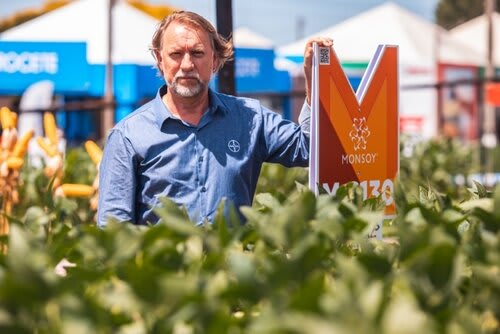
[117, 181]
[287, 142]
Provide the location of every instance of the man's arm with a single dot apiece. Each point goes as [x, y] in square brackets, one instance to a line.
[287, 143]
[305, 118]
[117, 181]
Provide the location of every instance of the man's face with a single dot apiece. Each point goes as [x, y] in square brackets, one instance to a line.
[187, 59]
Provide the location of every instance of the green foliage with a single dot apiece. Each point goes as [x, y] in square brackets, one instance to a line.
[301, 264]
[280, 181]
[436, 163]
[78, 167]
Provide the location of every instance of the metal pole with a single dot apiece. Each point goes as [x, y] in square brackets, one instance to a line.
[226, 82]
[300, 24]
[107, 115]
[437, 62]
[489, 139]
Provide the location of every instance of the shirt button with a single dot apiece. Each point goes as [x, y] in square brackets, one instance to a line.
[203, 189]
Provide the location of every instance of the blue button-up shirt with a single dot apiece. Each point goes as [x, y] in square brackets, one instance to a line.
[151, 154]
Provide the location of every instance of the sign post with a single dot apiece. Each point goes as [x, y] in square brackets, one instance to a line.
[355, 136]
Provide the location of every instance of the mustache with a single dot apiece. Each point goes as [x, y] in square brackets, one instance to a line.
[188, 75]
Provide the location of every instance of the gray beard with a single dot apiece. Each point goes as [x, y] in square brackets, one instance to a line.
[184, 91]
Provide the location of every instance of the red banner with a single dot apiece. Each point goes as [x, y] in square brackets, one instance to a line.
[493, 94]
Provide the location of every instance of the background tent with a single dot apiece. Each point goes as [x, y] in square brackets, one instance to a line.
[75, 36]
[357, 38]
[355, 42]
[244, 37]
[473, 33]
[87, 21]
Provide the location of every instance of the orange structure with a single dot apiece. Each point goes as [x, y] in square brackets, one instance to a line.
[355, 137]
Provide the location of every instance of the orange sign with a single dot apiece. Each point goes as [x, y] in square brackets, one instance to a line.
[355, 136]
[493, 94]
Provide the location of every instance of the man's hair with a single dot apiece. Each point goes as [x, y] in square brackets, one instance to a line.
[223, 48]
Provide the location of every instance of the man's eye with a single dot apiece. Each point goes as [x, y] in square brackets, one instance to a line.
[175, 54]
[198, 53]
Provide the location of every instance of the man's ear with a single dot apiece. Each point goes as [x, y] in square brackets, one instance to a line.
[215, 65]
[157, 56]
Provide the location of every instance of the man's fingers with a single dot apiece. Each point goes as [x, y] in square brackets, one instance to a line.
[321, 41]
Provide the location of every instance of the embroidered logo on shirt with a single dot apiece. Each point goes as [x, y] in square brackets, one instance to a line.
[233, 146]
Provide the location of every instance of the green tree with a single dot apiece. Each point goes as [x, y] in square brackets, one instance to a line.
[450, 13]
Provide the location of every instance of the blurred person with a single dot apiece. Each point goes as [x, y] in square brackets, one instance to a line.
[192, 144]
[455, 116]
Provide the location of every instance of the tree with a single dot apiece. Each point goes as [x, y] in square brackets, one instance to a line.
[450, 13]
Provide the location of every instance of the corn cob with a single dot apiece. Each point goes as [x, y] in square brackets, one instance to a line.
[6, 118]
[22, 144]
[14, 163]
[5, 139]
[48, 148]
[3, 155]
[14, 119]
[4, 170]
[76, 190]
[94, 151]
[49, 125]
[9, 138]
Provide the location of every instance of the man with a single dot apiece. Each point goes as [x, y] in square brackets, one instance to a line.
[191, 144]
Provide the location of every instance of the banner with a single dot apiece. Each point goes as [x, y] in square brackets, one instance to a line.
[355, 136]
[24, 63]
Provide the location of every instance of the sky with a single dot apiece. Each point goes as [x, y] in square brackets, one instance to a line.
[282, 21]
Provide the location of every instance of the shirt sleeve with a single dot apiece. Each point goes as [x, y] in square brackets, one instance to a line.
[287, 142]
[305, 118]
[117, 181]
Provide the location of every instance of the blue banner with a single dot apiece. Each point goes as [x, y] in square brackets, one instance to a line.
[24, 63]
[255, 72]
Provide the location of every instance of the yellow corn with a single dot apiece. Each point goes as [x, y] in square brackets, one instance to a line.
[14, 163]
[14, 119]
[49, 125]
[4, 154]
[6, 118]
[77, 190]
[22, 144]
[94, 151]
[49, 149]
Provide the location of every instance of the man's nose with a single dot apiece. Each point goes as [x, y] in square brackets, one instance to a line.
[187, 62]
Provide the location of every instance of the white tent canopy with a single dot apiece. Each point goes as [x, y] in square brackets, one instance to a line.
[473, 33]
[87, 21]
[243, 37]
[356, 39]
[422, 45]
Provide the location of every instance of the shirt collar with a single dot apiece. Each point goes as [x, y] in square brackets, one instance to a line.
[162, 113]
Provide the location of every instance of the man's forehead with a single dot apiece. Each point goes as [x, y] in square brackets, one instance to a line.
[182, 28]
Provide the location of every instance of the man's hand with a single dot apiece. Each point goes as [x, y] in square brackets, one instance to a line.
[308, 56]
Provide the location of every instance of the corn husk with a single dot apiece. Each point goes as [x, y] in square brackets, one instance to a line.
[94, 151]
[77, 190]
[49, 125]
[22, 145]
